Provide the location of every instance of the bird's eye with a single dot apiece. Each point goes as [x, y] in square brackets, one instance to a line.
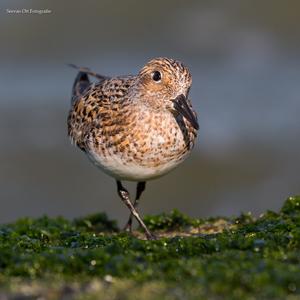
[156, 76]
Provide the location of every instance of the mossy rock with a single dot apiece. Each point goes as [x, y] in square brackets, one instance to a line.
[228, 258]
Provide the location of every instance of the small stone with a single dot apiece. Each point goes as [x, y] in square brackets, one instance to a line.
[93, 262]
[108, 278]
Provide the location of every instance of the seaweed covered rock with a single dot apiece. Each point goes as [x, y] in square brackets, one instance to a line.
[235, 258]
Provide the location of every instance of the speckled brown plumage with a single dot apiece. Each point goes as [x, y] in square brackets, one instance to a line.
[135, 127]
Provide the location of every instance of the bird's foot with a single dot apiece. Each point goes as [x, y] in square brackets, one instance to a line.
[127, 228]
[150, 236]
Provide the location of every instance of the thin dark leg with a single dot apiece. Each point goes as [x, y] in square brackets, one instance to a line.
[124, 195]
[139, 190]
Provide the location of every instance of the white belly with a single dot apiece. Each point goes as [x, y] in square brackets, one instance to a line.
[114, 166]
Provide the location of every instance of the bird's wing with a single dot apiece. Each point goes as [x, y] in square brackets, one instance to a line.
[97, 104]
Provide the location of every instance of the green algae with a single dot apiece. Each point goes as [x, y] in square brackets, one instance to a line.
[246, 258]
[173, 221]
[96, 223]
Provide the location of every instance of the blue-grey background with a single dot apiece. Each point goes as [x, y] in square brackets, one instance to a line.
[245, 60]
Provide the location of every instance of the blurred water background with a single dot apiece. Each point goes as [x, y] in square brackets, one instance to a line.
[245, 60]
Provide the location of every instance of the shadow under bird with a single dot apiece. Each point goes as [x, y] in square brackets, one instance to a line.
[134, 128]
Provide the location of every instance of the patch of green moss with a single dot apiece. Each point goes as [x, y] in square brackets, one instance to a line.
[291, 205]
[248, 259]
[175, 220]
[96, 223]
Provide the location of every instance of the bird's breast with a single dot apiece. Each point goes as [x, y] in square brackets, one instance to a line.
[148, 146]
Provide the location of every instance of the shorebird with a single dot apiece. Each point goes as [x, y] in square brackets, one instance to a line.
[135, 127]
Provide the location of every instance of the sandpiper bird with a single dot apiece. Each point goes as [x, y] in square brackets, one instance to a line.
[134, 128]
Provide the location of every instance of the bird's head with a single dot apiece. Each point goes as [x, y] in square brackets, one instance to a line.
[164, 84]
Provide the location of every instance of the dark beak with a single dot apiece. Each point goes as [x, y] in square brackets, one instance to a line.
[182, 107]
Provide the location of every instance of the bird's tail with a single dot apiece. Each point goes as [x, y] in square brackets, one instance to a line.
[88, 71]
[82, 81]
